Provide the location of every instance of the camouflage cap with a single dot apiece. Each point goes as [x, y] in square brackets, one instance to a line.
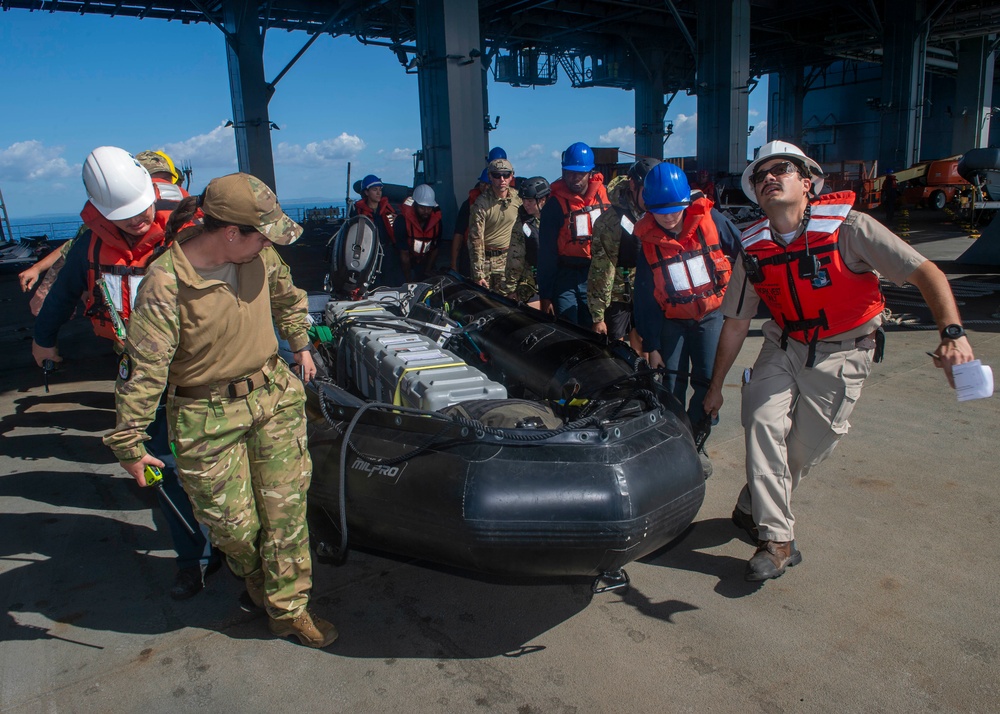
[500, 165]
[154, 162]
[245, 200]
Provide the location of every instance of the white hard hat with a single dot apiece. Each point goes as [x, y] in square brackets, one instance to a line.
[775, 150]
[117, 184]
[423, 195]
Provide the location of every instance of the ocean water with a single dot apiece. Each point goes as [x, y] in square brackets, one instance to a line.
[63, 226]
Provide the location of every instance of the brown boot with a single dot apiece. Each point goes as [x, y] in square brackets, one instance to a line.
[771, 559]
[254, 597]
[311, 631]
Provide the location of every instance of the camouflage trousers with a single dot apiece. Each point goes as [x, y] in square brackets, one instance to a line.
[245, 465]
[495, 269]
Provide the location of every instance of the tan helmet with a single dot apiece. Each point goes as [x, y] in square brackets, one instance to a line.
[775, 150]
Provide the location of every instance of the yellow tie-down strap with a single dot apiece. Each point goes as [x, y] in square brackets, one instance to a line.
[397, 400]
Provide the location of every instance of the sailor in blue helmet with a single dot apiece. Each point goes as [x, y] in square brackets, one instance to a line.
[682, 270]
[565, 235]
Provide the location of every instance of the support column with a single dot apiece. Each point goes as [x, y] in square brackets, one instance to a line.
[902, 100]
[721, 84]
[973, 95]
[249, 89]
[649, 107]
[451, 90]
[785, 117]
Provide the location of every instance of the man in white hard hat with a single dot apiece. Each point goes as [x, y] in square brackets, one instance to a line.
[418, 233]
[124, 231]
[813, 262]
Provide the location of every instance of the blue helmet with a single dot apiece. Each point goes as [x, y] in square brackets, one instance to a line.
[484, 177]
[666, 189]
[578, 157]
[496, 152]
[370, 181]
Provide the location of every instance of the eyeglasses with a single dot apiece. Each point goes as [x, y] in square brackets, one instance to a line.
[779, 169]
[500, 174]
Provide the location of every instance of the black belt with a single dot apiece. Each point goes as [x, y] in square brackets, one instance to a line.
[234, 390]
[495, 253]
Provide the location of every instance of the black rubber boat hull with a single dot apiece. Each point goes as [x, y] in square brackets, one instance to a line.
[584, 502]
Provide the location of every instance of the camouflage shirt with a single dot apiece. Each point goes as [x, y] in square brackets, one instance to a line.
[520, 270]
[186, 330]
[490, 222]
[606, 282]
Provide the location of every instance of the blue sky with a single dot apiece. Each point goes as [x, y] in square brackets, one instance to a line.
[76, 82]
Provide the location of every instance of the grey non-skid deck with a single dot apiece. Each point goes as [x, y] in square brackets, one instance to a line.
[894, 607]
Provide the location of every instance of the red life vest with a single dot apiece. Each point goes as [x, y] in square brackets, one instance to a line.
[421, 238]
[383, 209]
[120, 265]
[690, 271]
[579, 215]
[383, 215]
[810, 291]
[474, 193]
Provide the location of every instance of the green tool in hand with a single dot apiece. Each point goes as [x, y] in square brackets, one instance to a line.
[154, 477]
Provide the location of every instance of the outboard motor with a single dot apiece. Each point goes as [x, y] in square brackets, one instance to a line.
[355, 258]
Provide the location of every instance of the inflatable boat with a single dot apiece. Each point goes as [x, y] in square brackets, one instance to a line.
[453, 425]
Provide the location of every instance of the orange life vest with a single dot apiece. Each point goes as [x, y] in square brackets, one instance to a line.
[120, 265]
[383, 211]
[690, 271]
[810, 291]
[474, 193]
[579, 215]
[421, 238]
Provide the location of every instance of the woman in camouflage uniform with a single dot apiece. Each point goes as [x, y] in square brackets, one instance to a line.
[202, 329]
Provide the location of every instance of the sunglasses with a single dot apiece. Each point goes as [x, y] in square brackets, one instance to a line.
[500, 174]
[780, 169]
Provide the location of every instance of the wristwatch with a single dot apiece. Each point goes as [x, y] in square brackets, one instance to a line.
[952, 332]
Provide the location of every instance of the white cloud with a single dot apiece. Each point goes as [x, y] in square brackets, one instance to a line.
[532, 152]
[217, 148]
[319, 153]
[757, 139]
[623, 137]
[397, 154]
[33, 161]
[684, 140]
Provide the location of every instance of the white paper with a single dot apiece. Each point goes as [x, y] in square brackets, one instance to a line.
[582, 225]
[973, 380]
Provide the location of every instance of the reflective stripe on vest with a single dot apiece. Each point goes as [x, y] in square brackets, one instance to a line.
[690, 271]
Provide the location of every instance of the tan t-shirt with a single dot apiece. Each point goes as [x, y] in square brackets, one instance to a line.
[187, 330]
[866, 246]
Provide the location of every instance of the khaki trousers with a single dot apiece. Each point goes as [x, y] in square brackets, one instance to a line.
[793, 417]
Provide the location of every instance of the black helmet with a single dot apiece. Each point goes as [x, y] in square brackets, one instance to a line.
[637, 171]
[535, 187]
